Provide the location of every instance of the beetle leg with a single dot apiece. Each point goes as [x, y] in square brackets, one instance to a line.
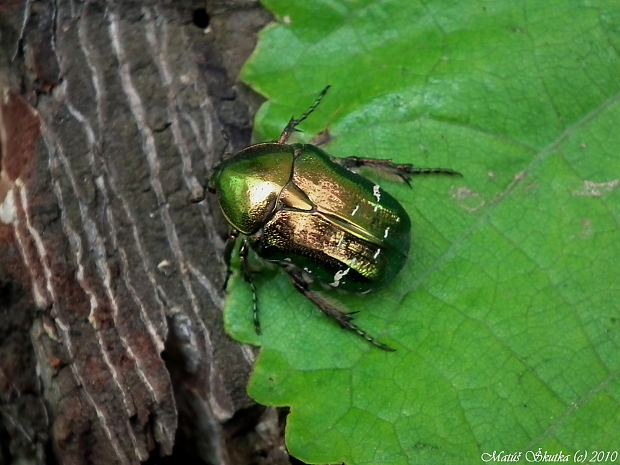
[293, 123]
[345, 320]
[390, 170]
[247, 275]
[228, 248]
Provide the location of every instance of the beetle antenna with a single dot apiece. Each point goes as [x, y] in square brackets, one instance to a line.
[293, 123]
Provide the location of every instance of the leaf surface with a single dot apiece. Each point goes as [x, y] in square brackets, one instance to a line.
[506, 319]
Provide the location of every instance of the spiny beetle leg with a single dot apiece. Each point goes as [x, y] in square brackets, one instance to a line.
[345, 320]
[247, 275]
[392, 171]
[293, 123]
[228, 248]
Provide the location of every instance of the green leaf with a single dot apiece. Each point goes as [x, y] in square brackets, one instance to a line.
[506, 319]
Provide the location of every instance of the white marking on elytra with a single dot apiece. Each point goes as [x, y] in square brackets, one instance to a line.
[376, 192]
[385, 234]
[338, 276]
[287, 259]
[398, 219]
[376, 253]
[357, 207]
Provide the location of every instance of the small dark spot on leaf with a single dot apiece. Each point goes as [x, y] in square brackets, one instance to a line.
[200, 18]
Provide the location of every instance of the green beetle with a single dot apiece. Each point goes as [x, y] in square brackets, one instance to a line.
[315, 216]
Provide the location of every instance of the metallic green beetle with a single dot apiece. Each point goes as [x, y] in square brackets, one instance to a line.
[316, 217]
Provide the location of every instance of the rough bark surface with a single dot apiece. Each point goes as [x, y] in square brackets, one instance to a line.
[112, 349]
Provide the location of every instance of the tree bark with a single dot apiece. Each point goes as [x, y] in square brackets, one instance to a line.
[112, 349]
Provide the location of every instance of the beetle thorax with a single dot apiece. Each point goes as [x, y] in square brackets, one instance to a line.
[250, 183]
